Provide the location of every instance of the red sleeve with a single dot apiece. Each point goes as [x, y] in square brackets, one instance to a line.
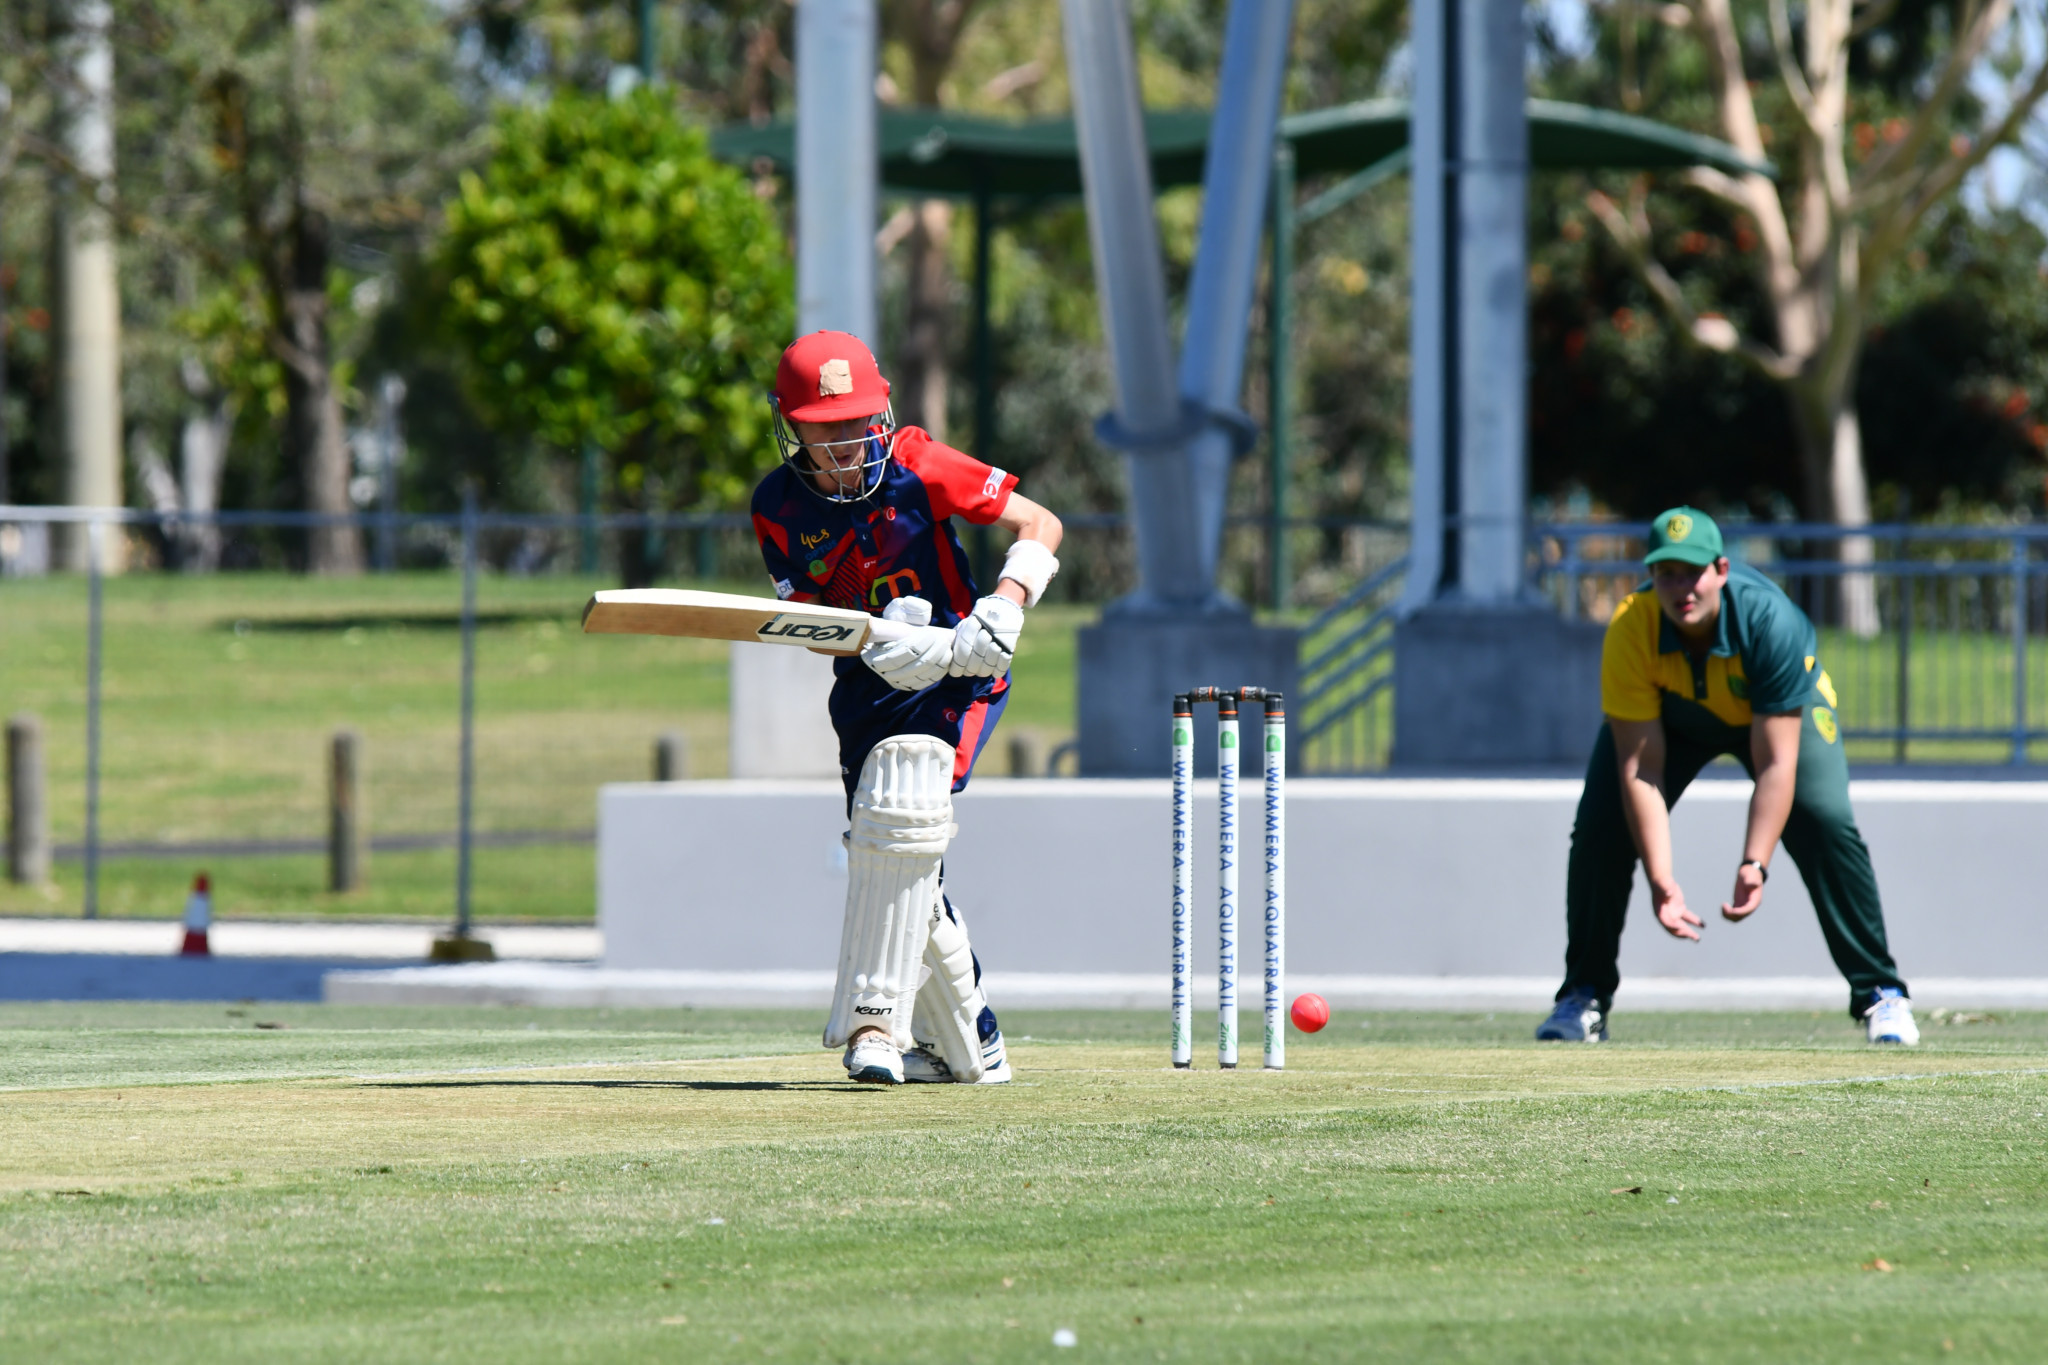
[957, 484]
[774, 539]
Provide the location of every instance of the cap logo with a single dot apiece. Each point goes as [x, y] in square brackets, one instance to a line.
[1679, 527]
[834, 377]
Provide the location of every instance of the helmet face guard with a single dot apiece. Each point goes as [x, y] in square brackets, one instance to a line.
[855, 482]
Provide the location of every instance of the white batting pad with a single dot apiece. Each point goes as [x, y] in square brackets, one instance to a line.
[949, 1004]
[902, 822]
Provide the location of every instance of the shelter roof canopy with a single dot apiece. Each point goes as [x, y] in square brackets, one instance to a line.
[943, 153]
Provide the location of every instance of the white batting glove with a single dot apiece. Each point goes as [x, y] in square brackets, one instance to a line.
[920, 659]
[984, 641]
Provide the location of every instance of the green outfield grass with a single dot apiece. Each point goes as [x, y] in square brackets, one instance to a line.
[222, 692]
[180, 1183]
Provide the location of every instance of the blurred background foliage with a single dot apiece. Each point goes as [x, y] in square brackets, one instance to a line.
[540, 247]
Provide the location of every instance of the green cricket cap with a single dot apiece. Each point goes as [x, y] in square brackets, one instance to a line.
[1685, 534]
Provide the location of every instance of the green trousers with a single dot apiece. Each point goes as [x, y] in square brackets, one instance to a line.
[1820, 835]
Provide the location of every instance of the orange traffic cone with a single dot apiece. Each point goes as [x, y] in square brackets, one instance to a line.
[198, 918]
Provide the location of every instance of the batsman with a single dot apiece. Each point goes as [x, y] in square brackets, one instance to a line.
[1711, 658]
[857, 515]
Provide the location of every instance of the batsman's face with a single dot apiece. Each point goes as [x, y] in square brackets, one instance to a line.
[835, 450]
[1690, 593]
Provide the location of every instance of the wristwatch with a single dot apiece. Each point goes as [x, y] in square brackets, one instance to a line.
[1763, 873]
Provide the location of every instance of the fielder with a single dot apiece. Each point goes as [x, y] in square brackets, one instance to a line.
[1707, 659]
[857, 516]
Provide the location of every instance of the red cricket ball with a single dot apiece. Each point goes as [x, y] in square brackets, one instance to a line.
[1310, 1012]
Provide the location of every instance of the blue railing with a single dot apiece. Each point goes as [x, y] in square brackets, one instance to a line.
[1936, 637]
[1347, 677]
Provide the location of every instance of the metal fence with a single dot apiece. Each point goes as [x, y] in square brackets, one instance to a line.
[1936, 637]
[190, 720]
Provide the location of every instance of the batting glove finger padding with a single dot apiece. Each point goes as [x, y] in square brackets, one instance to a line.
[984, 642]
[902, 822]
[914, 662]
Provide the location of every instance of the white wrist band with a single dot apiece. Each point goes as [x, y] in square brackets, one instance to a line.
[1031, 566]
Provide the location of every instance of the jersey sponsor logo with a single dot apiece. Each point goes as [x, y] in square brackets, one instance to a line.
[834, 378]
[784, 589]
[994, 485]
[1824, 721]
[817, 569]
[811, 540]
[1679, 527]
[889, 587]
[787, 627]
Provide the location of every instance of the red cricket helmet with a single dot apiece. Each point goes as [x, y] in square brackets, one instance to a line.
[829, 377]
[833, 377]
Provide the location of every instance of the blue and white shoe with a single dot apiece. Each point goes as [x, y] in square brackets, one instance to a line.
[995, 1058]
[1890, 1018]
[1578, 1018]
[873, 1058]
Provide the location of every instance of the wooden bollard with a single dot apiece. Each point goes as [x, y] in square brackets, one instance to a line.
[28, 807]
[348, 819]
[1024, 756]
[671, 757]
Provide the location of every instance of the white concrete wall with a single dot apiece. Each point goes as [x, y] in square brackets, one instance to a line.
[780, 726]
[1384, 877]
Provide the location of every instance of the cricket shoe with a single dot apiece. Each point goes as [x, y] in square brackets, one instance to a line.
[995, 1058]
[1578, 1018]
[922, 1065]
[1890, 1018]
[874, 1059]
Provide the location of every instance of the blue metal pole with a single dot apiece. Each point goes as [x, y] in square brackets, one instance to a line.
[2019, 650]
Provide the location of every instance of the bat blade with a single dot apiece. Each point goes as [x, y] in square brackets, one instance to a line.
[730, 616]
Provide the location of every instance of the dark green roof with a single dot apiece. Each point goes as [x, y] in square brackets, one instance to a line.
[939, 152]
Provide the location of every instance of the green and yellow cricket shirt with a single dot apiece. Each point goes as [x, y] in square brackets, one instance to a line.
[1763, 661]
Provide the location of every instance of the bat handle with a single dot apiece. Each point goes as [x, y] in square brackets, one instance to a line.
[886, 632]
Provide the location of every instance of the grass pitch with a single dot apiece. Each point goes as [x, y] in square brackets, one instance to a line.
[182, 1183]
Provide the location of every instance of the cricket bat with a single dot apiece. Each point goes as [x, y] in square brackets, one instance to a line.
[729, 616]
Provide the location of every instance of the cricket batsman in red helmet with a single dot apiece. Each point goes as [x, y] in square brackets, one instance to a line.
[858, 514]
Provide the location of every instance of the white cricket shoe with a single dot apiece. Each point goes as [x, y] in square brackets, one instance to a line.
[873, 1058]
[995, 1059]
[1890, 1018]
[922, 1065]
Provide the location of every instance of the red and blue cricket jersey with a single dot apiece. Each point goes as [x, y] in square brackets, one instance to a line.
[899, 542]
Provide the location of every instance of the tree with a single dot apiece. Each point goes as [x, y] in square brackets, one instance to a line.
[288, 134]
[929, 32]
[1852, 194]
[611, 282]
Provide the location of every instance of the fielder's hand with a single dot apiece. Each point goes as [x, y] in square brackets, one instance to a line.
[1678, 921]
[1749, 893]
[984, 641]
[914, 663]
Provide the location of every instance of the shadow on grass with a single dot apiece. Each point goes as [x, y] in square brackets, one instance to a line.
[416, 620]
[797, 1086]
